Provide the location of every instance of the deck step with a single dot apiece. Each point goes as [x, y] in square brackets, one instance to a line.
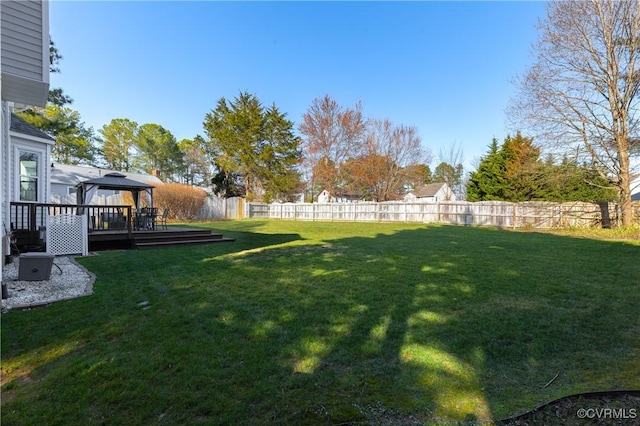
[158, 244]
[175, 237]
[158, 238]
[144, 239]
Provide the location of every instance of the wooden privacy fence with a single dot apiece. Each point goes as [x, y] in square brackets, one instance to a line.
[486, 213]
[222, 208]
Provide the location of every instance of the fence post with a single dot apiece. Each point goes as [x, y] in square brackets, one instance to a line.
[561, 206]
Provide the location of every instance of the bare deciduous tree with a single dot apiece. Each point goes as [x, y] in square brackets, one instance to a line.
[581, 94]
[454, 156]
[332, 134]
[401, 148]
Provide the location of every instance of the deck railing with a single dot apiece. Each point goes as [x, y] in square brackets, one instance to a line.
[33, 216]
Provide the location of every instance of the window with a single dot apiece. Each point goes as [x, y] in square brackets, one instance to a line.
[29, 165]
[72, 190]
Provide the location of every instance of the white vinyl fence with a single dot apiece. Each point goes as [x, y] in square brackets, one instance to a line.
[486, 213]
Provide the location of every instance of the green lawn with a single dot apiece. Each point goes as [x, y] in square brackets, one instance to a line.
[330, 323]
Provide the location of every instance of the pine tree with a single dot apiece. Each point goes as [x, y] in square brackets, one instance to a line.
[487, 183]
[258, 144]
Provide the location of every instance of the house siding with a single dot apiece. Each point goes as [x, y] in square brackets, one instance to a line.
[435, 192]
[4, 179]
[23, 39]
[24, 68]
[24, 51]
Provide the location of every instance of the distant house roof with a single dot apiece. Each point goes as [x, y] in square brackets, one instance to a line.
[64, 174]
[344, 194]
[429, 190]
[20, 126]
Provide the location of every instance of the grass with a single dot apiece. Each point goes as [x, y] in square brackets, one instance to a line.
[330, 323]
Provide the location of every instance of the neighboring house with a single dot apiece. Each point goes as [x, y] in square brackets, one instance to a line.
[24, 67]
[339, 197]
[431, 193]
[635, 188]
[64, 179]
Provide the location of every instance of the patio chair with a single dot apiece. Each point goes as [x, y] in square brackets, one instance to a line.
[112, 220]
[152, 217]
[163, 218]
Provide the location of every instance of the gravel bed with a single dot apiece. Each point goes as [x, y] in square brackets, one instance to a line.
[68, 280]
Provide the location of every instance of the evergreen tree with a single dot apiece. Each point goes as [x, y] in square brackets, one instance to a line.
[488, 182]
[514, 172]
[74, 143]
[227, 184]
[569, 181]
[118, 144]
[195, 168]
[56, 95]
[280, 156]
[522, 169]
[258, 144]
[158, 150]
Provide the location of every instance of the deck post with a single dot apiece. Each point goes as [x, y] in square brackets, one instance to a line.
[32, 217]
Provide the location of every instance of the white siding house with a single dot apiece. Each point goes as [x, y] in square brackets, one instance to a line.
[24, 79]
[24, 28]
[431, 193]
[339, 197]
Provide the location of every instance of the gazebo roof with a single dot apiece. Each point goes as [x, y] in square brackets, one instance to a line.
[116, 181]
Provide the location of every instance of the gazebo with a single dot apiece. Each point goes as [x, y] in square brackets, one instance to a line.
[114, 181]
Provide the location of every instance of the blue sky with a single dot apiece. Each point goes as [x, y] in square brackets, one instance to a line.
[444, 67]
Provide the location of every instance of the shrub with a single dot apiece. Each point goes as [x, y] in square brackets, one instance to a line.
[184, 202]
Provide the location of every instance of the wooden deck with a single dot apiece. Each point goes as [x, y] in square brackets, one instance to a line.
[109, 227]
[172, 236]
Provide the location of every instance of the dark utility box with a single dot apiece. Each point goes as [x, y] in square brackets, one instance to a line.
[35, 266]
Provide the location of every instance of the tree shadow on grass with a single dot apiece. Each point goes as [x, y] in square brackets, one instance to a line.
[418, 326]
[456, 335]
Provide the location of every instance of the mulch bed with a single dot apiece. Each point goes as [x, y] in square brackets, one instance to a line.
[596, 408]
